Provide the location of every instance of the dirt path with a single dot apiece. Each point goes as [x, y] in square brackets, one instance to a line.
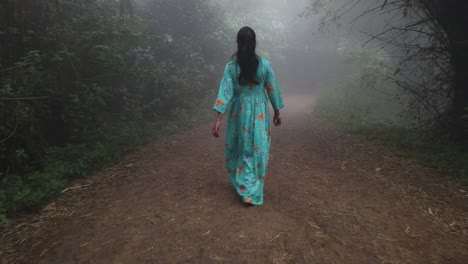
[171, 202]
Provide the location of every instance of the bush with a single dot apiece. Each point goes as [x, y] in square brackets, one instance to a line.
[363, 110]
[84, 86]
[64, 164]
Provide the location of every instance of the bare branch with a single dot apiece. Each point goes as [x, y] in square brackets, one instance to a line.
[25, 98]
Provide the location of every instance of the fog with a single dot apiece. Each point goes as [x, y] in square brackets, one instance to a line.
[98, 63]
[303, 57]
[136, 95]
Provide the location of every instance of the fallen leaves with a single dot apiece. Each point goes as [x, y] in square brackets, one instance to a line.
[275, 238]
[312, 225]
[343, 165]
[50, 207]
[430, 211]
[75, 187]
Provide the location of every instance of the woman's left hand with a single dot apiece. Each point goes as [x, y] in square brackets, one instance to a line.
[217, 126]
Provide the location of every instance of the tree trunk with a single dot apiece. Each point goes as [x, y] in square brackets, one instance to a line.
[126, 6]
[451, 15]
[460, 63]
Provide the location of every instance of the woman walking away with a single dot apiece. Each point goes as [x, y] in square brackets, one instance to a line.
[247, 84]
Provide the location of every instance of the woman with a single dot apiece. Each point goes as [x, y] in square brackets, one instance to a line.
[247, 84]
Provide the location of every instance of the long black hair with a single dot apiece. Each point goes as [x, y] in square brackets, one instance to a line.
[247, 59]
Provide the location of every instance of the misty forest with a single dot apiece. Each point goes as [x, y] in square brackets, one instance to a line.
[107, 153]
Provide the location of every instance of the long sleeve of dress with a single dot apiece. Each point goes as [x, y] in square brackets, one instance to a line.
[273, 89]
[226, 90]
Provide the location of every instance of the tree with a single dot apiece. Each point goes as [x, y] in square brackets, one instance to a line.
[451, 16]
[126, 6]
[431, 38]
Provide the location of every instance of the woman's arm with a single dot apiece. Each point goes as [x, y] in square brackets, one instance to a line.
[217, 125]
[274, 94]
[277, 118]
[226, 91]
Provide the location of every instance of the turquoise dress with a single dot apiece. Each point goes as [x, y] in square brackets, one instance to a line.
[248, 131]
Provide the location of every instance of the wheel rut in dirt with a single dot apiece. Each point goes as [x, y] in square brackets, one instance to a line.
[171, 202]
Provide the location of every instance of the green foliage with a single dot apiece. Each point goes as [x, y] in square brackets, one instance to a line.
[364, 96]
[87, 70]
[363, 105]
[106, 146]
[82, 88]
[422, 145]
[64, 164]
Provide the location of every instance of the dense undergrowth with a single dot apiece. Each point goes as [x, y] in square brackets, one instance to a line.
[105, 146]
[83, 84]
[364, 105]
[424, 145]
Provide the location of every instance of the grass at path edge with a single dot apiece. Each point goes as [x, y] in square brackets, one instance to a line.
[446, 158]
[108, 146]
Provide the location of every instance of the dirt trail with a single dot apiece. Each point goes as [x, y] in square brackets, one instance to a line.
[171, 202]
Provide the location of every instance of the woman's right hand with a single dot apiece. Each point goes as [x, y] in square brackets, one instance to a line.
[217, 126]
